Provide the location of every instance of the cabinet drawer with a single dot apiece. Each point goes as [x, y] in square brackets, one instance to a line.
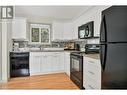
[92, 61]
[89, 83]
[35, 53]
[93, 72]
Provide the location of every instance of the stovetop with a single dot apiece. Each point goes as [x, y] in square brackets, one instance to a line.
[78, 53]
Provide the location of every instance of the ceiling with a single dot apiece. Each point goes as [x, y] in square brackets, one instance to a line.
[51, 12]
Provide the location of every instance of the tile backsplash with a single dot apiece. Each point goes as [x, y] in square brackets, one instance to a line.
[81, 43]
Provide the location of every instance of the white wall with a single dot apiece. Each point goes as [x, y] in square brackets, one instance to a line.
[93, 14]
[6, 48]
[0, 51]
[0, 48]
[4, 51]
[9, 45]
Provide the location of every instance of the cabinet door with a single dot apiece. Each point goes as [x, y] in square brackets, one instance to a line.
[34, 65]
[48, 63]
[67, 63]
[43, 64]
[91, 70]
[61, 62]
[19, 29]
[55, 62]
[67, 34]
[58, 30]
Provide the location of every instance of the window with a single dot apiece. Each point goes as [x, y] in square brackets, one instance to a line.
[40, 33]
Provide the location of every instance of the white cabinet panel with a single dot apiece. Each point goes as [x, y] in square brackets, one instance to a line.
[43, 65]
[55, 63]
[67, 63]
[19, 28]
[91, 73]
[46, 62]
[34, 65]
[58, 30]
[63, 31]
[91, 84]
[68, 31]
[61, 61]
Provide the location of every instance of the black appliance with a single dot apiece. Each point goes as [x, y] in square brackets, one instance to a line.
[77, 47]
[76, 68]
[92, 48]
[113, 39]
[86, 31]
[19, 64]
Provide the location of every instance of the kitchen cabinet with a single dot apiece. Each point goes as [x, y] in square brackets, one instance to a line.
[19, 28]
[58, 30]
[91, 73]
[48, 62]
[35, 63]
[63, 31]
[67, 63]
[69, 33]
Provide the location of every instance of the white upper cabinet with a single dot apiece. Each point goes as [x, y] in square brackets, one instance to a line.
[19, 28]
[63, 31]
[68, 33]
[58, 30]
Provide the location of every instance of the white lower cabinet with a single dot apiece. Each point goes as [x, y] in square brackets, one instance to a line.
[35, 64]
[67, 63]
[46, 62]
[91, 73]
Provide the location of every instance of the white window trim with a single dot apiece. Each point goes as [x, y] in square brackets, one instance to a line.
[40, 26]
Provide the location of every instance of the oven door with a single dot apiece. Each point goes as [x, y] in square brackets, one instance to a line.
[76, 68]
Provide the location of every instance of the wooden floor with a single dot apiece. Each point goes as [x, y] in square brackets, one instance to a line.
[50, 81]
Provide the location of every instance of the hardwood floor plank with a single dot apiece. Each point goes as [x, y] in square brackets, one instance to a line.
[49, 81]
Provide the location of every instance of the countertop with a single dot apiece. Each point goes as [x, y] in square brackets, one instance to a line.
[94, 56]
[47, 51]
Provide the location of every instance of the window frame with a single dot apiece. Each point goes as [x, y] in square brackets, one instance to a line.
[40, 26]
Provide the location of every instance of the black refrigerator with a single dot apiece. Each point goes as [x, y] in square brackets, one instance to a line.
[113, 52]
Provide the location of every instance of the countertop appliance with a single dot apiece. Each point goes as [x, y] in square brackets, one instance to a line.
[69, 46]
[86, 31]
[92, 48]
[113, 39]
[19, 64]
[76, 68]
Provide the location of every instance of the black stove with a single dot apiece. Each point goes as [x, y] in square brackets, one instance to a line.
[78, 53]
[76, 68]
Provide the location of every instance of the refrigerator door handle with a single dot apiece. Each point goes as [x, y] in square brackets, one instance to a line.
[103, 30]
[103, 56]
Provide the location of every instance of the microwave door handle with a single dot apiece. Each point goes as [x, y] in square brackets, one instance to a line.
[88, 30]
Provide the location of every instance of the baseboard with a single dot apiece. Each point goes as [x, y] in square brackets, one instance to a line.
[46, 73]
[3, 81]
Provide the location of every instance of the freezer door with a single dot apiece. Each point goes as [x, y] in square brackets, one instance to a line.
[115, 22]
[114, 74]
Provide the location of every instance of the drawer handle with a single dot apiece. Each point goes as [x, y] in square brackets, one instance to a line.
[91, 72]
[90, 61]
[36, 56]
[91, 87]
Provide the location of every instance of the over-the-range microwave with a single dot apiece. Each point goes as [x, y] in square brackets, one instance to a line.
[86, 31]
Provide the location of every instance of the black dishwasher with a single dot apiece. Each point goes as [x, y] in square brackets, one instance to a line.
[19, 64]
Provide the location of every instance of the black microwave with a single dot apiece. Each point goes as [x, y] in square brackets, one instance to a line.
[86, 31]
